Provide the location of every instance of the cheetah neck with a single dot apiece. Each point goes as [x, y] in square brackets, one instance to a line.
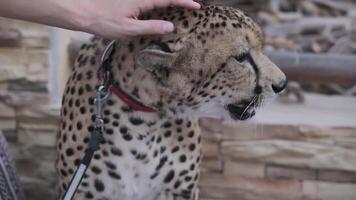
[135, 82]
[104, 74]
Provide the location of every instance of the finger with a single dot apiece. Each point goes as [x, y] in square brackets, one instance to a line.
[151, 4]
[185, 3]
[149, 27]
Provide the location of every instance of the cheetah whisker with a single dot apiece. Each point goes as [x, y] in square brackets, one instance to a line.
[248, 106]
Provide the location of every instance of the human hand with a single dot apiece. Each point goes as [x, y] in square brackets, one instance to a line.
[118, 18]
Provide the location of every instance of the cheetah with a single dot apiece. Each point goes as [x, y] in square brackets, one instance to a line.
[211, 65]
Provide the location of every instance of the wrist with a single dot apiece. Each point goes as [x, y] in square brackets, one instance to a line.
[72, 15]
[82, 15]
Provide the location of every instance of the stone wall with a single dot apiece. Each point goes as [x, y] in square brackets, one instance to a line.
[25, 116]
[284, 162]
[23, 55]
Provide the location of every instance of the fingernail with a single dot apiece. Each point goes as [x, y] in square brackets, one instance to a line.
[168, 27]
[197, 5]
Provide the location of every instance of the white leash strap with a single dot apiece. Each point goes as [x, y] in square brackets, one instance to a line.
[75, 182]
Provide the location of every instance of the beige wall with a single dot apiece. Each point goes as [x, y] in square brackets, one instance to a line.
[60, 66]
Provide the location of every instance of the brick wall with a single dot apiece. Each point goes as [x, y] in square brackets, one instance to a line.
[25, 117]
[23, 54]
[278, 162]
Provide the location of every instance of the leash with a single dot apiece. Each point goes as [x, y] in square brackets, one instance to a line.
[103, 92]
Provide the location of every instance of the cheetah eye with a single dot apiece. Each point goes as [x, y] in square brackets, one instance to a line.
[163, 47]
[242, 57]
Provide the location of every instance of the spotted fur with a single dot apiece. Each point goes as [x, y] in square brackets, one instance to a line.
[211, 65]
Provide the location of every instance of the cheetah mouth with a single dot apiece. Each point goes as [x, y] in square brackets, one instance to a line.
[243, 110]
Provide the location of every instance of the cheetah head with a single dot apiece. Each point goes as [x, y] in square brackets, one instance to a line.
[211, 65]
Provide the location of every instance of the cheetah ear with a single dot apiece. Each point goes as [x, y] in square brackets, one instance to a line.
[155, 57]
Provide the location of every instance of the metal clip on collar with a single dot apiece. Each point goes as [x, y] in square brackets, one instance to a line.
[105, 64]
[103, 90]
[101, 96]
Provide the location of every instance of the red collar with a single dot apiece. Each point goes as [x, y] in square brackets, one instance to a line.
[129, 101]
[117, 91]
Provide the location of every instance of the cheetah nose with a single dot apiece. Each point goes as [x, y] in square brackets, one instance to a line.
[277, 88]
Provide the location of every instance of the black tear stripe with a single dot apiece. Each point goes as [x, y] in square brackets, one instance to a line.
[258, 88]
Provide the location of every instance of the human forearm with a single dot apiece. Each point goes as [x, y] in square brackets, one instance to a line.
[107, 18]
[60, 13]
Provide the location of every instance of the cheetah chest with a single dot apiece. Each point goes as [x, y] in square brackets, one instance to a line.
[146, 156]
